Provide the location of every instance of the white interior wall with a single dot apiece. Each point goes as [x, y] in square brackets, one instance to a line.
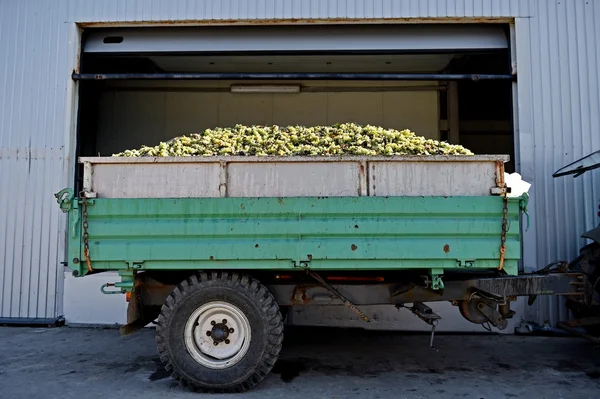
[129, 118]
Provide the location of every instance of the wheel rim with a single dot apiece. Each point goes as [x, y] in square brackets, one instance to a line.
[217, 335]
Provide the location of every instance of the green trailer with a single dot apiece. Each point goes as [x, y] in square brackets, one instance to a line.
[216, 250]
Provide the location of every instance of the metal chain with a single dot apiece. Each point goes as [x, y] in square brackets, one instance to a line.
[504, 231]
[348, 304]
[86, 246]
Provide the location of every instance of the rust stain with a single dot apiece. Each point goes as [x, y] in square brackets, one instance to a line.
[288, 21]
[242, 207]
[356, 226]
[446, 248]
[280, 200]
[354, 247]
[304, 297]
[300, 290]
[212, 258]
[500, 174]
[309, 256]
[256, 246]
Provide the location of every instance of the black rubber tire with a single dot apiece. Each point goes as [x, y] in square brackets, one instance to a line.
[588, 262]
[257, 304]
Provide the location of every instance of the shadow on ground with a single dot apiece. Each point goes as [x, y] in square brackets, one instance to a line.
[315, 362]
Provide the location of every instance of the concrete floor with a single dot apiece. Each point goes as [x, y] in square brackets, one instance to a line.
[315, 363]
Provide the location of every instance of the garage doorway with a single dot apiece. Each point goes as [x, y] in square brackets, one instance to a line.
[452, 82]
[140, 86]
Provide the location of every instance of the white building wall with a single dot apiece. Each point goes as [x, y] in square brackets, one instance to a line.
[558, 113]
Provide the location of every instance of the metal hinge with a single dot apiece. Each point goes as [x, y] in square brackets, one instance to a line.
[465, 263]
[500, 190]
[300, 264]
[137, 265]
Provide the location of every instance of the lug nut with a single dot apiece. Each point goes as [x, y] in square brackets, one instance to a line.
[231, 331]
[216, 343]
[224, 321]
[208, 333]
[227, 341]
[212, 323]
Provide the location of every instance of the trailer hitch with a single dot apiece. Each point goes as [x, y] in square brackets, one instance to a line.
[124, 286]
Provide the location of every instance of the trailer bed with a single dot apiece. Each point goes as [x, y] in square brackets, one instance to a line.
[432, 213]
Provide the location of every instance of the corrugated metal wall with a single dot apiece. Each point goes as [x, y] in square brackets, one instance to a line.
[35, 114]
[232, 10]
[558, 60]
[558, 110]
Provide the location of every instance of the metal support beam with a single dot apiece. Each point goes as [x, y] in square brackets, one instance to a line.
[288, 76]
[306, 294]
[453, 117]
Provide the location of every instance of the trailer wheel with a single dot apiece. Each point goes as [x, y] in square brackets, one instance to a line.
[219, 332]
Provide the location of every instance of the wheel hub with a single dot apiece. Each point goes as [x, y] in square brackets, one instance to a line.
[470, 311]
[217, 335]
[219, 332]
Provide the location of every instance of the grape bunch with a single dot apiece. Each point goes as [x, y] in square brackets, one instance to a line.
[339, 139]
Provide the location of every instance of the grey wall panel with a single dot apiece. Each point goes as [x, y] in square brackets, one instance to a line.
[234, 10]
[559, 111]
[34, 105]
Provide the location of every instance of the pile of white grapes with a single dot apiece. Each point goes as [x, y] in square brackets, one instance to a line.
[340, 139]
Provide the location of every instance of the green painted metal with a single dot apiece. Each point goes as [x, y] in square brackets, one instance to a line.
[65, 199]
[332, 233]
